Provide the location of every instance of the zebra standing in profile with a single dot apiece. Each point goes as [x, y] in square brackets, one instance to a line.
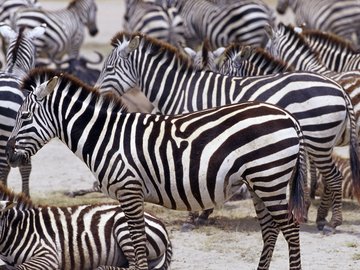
[174, 86]
[339, 17]
[188, 162]
[159, 21]
[65, 29]
[221, 24]
[20, 59]
[74, 237]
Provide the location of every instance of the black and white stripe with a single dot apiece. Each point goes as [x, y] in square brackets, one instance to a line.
[174, 86]
[186, 162]
[74, 237]
[221, 24]
[158, 21]
[339, 17]
[65, 31]
[20, 59]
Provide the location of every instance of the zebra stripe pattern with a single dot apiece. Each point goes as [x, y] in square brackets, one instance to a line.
[187, 162]
[161, 71]
[158, 21]
[20, 59]
[242, 22]
[339, 17]
[65, 29]
[75, 237]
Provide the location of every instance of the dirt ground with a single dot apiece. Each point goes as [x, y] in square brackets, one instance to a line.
[232, 239]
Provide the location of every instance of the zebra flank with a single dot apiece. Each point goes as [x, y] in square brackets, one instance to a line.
[190, 161]
[74, 237]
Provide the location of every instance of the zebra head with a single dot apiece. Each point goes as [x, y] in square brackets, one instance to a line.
[234, 58]
[31, 130]
[282, 5]
[21, 52]
[275, 39]
[87, 11]
[118, 72]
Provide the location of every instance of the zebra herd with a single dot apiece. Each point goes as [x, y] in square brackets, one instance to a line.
[260, 105]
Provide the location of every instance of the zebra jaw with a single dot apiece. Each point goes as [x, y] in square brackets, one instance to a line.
[15, 158]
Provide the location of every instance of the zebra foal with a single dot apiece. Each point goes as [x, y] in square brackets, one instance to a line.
[186, 162]
[74, 237]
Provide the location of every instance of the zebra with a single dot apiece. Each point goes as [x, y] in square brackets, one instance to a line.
[239, 21]
[20, 59]
[65, 29]
[159, 21]
[73, 237]
[188, 162]
[339, 17]
[9, 7]
[334, 52]
[245, 61]
[174, 86]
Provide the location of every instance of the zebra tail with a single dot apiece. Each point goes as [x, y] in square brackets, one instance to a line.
[298, 184]
[353, 148]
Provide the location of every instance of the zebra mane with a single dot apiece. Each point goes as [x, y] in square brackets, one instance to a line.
[267, 59]
[152, 46]
[332, 38]
[289, 29]
[21, 200]
[38, 75]
[19, 41]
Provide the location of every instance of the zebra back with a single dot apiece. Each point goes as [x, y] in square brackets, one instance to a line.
[74, 237]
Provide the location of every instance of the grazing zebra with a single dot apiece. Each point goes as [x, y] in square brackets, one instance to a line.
[334, 52]
[339, 17]
[20, 59]
[240, 21]
[174, 86]
[74, 237]
[188, 162]
[65, 29]
[159, 21]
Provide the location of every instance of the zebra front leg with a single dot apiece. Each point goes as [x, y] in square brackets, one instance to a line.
[25, 176]
[4, 173]
[131, 199]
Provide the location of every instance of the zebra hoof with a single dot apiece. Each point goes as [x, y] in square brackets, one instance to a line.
[328, 230]
[321, 224]
[187, 227]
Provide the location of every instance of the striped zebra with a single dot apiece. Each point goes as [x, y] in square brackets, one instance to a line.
[9, 7]
[339, 17]
[65, 29]
[221, 24]
[20, 59]
[174, 86]
[334, 52]
[188, 162]
[74, 237]
[159, 21]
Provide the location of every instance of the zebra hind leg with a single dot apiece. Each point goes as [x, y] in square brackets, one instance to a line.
[4, 173]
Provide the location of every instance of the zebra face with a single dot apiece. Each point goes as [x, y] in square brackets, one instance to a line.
[32, 130]
[91, 21]
[118, 72]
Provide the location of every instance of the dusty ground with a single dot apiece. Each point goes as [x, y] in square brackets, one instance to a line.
[232, 240]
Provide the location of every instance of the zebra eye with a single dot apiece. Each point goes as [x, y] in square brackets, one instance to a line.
[25, 115]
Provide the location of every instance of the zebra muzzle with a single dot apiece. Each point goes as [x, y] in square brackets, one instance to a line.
[14, 158]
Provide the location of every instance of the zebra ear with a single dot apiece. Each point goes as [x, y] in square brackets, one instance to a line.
[269, 31]
[5, 205]
[219, 51]
[37, 31]
[133, 44]
[46, 88]
[190, 52]
[246, 52]
[7, 32]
